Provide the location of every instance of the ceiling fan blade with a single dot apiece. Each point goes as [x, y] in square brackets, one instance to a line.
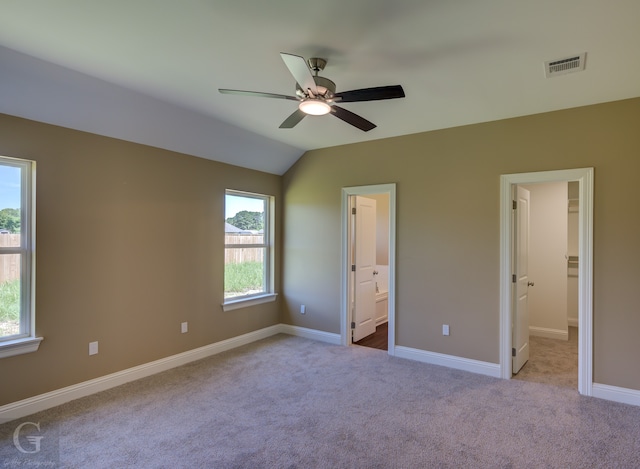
[300, 71]
[371, 94]
[353, 119]
[291, 121]
[258, 94]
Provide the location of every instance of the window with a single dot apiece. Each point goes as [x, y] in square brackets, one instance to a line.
[248, 267]
[17, 319]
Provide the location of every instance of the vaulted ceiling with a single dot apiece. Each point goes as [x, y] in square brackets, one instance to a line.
[148, 71]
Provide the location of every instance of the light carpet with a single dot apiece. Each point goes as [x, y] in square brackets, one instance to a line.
[289, 402]
[552, 361]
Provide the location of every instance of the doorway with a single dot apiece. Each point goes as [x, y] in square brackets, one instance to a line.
[347, 243]
[550, 322]
[508, 265]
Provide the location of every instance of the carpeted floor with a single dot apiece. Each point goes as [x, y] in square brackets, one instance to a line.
[288, 402]
[552, 361]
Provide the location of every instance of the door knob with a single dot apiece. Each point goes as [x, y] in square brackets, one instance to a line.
[530, 284]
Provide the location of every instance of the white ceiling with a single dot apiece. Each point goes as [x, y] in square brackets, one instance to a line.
[148, 70]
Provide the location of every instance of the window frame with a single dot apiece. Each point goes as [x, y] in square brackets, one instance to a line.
[268, 294]
[25, 341]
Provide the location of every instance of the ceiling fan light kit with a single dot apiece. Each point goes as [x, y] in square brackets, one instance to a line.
[317, 95]
[314, 107]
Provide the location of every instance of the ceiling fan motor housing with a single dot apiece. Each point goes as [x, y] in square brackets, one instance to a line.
[326, 88]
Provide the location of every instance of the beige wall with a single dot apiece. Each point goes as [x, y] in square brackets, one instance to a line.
[129, 245]
[448, 186]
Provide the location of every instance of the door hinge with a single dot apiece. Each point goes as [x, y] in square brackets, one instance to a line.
[514, 205]
[353, 326]
[353, 211]
[513, 352]
[353, 268]
[513, 278]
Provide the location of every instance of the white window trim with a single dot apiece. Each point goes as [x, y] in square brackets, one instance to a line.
[268, 296]
[10, 348]
[27, 342]
[244, 302]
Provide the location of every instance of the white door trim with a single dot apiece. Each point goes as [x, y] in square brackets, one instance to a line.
[345, 313]
[585, 268]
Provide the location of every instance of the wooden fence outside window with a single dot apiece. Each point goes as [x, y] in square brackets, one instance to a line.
[236, 255]
[9, 263]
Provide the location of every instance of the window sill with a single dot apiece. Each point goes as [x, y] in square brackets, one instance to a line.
[231, 304]
[19, 346]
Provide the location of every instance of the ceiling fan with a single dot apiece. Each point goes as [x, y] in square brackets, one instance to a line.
[317, 95]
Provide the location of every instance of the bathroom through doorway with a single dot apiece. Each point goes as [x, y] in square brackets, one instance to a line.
[368, 256]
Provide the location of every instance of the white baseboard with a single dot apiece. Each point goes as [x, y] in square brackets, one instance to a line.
[459, 363]
[614, 393]
[548, 333]
[572, 322]
[310, 334]
[19, 409]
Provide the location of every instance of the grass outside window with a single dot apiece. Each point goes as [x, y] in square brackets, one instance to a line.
[243, 278]
[10, 307]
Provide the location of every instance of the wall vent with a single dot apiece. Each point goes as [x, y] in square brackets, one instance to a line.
[574, 63]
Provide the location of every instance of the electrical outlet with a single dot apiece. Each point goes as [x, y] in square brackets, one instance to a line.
[303, 309]
[184, 327]
[445, 329]
[93, 348]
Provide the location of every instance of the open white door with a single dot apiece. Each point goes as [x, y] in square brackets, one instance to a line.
[521, 285]
[364, 260]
